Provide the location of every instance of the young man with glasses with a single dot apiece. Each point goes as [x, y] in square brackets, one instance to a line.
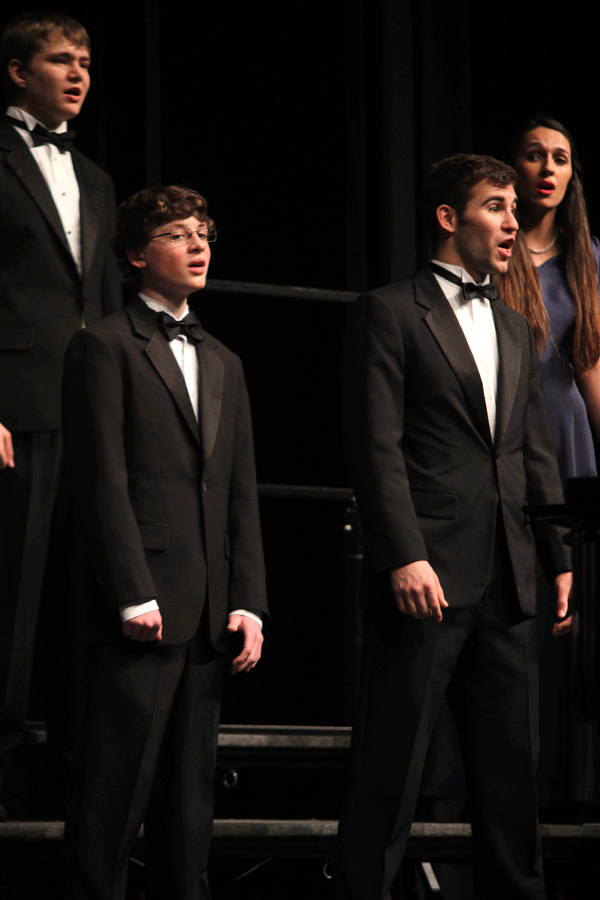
[159, 448]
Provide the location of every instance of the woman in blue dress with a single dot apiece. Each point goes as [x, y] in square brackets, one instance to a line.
[553, 282]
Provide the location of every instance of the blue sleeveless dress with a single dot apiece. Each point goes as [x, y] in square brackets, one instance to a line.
[569, 747]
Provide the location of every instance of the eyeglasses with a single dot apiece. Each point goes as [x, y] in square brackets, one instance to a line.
[182, 235]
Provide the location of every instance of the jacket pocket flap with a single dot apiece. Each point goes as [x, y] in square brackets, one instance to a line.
[17, 337]
[435, 505]
[155, 537]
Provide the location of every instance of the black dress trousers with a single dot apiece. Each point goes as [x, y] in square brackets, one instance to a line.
[485, 658]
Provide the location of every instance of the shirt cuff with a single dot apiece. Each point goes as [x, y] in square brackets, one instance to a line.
[249, 615]
[138, 609]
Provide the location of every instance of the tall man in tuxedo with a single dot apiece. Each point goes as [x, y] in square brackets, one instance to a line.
[57, 273]
[159, 448]
[447, 440]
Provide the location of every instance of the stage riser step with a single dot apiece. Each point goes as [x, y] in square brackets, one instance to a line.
[307, 837]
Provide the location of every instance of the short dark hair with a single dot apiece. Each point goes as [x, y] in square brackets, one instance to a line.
[140, 214]
[25, 34]
[450, 182]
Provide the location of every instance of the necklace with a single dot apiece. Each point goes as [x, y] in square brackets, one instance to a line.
[545, 249]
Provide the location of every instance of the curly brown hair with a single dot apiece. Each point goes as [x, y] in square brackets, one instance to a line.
[142, 213]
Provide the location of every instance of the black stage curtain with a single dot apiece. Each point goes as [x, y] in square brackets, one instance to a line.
[408, 104]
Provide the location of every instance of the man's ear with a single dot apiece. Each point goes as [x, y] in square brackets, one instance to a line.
[17, 71]
[446, 217]
[136, 257]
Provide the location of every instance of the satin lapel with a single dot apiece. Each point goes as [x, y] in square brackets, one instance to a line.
[509, 370]
[161, 356]
[212, 374]
[89, 207]
[28, 172]
[446, 330]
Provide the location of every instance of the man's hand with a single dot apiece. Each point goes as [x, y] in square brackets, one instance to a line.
[7, 456]
[563, 585]
[253, 639]
[147, 627]
[417, 590]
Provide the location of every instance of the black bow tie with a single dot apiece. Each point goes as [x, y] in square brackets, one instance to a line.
[188, 326]
[487, 291]
[63, 140]
[470, 290]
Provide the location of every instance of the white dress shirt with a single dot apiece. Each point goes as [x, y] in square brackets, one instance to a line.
[476, 319]
[184, 352]
[57, 168]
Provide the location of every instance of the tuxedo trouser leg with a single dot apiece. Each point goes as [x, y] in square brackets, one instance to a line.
[27, 496]
[132, 688]
[408, 666]
[496, 691]
[179, 819]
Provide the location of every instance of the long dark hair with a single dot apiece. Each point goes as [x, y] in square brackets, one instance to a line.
[520, 288]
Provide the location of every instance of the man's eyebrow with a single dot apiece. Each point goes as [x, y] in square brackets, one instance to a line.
[68, 54]
[497, 199]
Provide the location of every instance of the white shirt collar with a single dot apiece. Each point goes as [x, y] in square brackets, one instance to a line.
[29, 122]
[462, 273]
[157, 306]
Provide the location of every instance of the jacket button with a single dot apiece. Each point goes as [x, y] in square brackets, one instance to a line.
[204, 486]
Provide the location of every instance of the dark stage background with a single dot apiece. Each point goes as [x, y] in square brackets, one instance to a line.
[308, 126]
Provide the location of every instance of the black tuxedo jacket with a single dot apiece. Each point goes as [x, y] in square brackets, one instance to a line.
[430, 479]
[166, 509]
[42, 296]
